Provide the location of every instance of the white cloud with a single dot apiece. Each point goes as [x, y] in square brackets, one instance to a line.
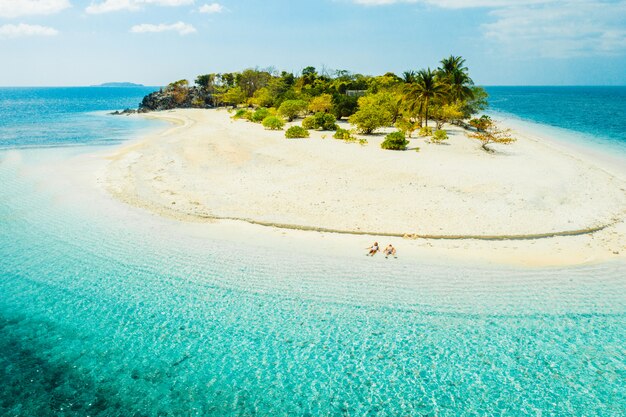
[453, 4]
[22, 29]
[560, 29]
[180, 27]
[112, 6]
[547, 28]
[107, 6]
[16, 8]
[211, 8]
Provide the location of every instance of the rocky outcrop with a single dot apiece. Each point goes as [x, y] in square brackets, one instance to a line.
[170, 98]
[126, 112]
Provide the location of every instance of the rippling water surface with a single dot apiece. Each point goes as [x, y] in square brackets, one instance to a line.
[107, 311]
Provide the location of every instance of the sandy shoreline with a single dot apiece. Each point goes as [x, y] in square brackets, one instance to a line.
[209, 167]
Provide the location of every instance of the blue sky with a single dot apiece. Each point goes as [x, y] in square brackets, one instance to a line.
[505, 42]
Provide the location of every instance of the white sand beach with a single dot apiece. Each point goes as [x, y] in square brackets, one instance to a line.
[534, 202]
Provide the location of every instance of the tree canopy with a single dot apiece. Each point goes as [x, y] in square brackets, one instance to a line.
[409, 101]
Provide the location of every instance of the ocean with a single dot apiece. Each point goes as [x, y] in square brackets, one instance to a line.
[591, 116]
[72, 116]
[109, 311]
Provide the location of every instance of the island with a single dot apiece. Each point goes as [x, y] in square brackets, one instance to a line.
[371, 157]
[118, 85]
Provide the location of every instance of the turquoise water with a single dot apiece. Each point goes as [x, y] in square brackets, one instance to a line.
[38, 117]
[597, 115]
[106, 311]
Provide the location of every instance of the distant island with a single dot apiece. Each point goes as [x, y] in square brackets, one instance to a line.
[118, 85]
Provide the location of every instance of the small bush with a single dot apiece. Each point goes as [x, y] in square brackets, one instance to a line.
[362, 142]
[242, 114]
[342, 134]
[273, 123]
[439, 136]
[260, 114]
[426, 131]
[309, 122]
[296, 132]
[325, 121]
[322, 121]
[395, 141]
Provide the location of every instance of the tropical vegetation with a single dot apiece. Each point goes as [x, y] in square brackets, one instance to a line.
[413, 101]
[395, 141]
[488, 132]
[296, 132]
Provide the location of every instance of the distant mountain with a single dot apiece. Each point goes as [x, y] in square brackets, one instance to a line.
[118, 85]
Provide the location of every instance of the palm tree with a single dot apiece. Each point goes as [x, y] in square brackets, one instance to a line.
[426, 88]
[408, 77]
[459, 86]
[452, 64]
[453, 73]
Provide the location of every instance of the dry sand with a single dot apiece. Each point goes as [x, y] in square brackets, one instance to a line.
[210, 168]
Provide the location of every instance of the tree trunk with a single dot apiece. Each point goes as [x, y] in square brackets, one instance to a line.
[427, 112]
[486, 149]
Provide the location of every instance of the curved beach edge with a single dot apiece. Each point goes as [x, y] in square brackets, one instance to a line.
[205, 168]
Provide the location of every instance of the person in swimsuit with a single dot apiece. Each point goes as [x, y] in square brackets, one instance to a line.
[390, 250]
[373, 249]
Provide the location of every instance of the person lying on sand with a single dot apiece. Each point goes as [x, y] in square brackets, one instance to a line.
[390, 250]
[373, 249]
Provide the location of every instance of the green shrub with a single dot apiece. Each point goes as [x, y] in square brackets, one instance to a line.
[296, 132]
[439, 136]
[273, 123]
[242, 114]
[375, 111]
[426, 131]
[290, 109]
[395, 141]
[322, 121]
[309, 122]
[325, 121]
[260, 114]
[362, 142]
[342, 134]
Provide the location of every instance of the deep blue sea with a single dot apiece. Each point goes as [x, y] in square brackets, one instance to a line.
[44, 117]
[106, 310]
[596, 115]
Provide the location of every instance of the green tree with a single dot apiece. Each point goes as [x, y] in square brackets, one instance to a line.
[250, 80]
[453, 64]
[233, 96]
[425, 89]
[345, 105]
[446, 113]
[291, 109]
[373, 114]
[322, 103]
[476, 104]
[179, 91]
[262, 98]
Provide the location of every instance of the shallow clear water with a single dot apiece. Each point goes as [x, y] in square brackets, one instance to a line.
[107, 311]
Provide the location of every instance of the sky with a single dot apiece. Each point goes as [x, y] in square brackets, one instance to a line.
[154, 42]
